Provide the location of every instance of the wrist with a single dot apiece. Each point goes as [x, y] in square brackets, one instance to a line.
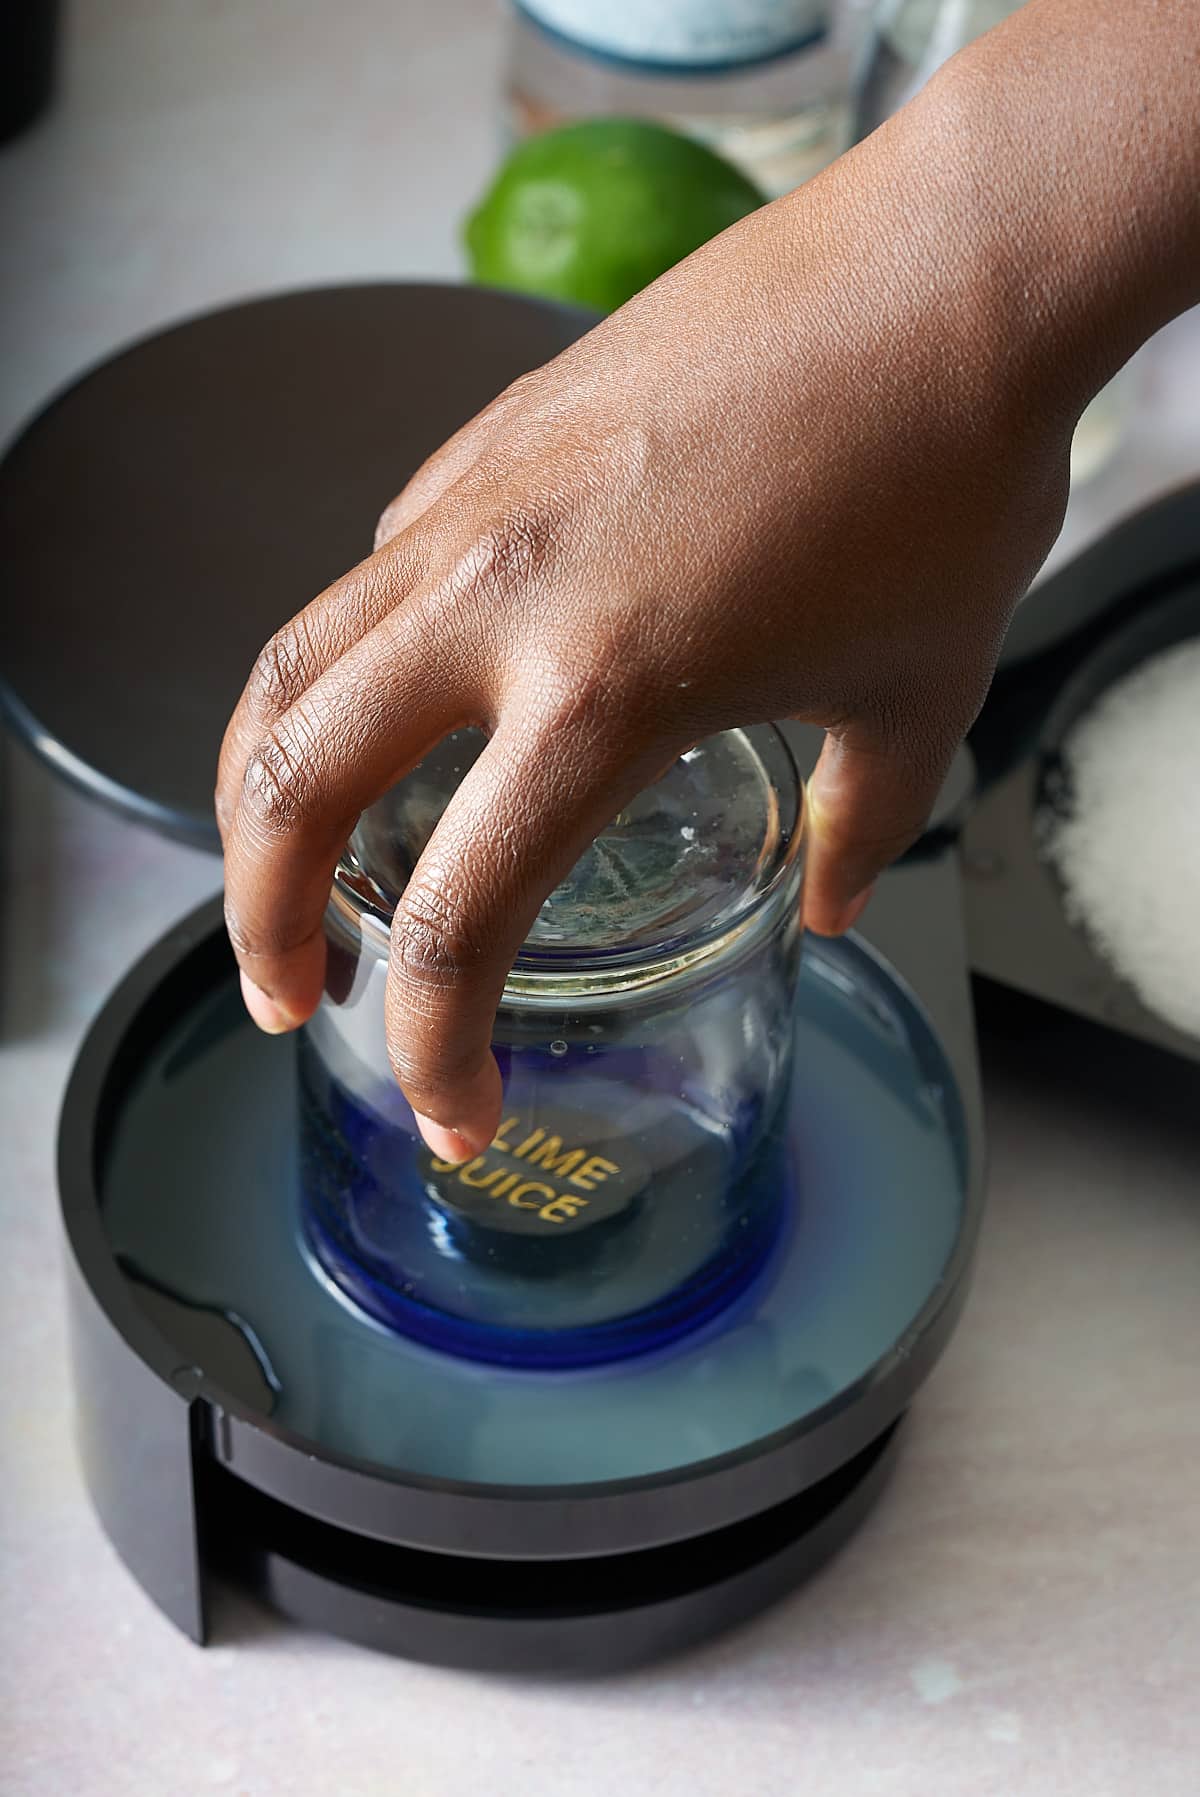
[1069, 178]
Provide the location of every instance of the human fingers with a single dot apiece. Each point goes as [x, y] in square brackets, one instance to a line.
[345, 740]
[306, 647]
[531, 804]
[869, 799]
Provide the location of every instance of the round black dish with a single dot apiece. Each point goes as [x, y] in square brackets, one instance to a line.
[197, 490]
[189, 1471]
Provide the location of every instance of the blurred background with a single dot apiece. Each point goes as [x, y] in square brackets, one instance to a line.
[198, 151]
[167, 156]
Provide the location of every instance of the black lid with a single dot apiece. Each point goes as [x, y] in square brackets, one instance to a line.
[170, 510]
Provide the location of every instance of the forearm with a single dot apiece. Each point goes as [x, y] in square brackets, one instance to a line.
[995, 251]
[1069, 140]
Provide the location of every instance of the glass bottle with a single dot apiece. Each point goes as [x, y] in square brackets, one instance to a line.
[765, 83]
[637, 1183]
[906, 42]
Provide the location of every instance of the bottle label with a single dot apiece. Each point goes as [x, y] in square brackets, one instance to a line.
[552, 1178]
[685, 34]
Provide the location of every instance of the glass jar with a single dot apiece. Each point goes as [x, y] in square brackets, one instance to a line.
[765, 83]
[637, 1183]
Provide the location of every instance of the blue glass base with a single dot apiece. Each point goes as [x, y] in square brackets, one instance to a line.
[660, 1252]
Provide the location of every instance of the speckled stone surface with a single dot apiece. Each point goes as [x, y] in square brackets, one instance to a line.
[1022, 1613]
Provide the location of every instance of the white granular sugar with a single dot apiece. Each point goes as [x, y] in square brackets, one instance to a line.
[1128, 854]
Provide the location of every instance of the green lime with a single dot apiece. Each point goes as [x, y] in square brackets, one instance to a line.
[595, 211]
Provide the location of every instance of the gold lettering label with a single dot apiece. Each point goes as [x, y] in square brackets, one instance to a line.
[586, 1174]
[477, 1172]
[549, 1154]
[562, 1208]
[593, 1170]
[530, 1185]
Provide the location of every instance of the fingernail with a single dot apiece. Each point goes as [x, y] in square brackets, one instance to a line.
[264, 1011]
[444, 1144]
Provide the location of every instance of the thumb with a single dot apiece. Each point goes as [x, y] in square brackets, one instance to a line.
[868, 801]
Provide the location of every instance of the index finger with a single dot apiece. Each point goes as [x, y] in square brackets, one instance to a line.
[523, 816]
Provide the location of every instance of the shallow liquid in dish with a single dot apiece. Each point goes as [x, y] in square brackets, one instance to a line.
[200, 1196]
[611, 1214]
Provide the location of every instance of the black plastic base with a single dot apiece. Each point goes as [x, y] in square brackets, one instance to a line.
[190, 1474]
[540, 1616]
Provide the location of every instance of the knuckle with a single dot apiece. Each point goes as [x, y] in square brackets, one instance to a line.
[268, 937]
[427, 1076]
[285, 667]
[223, 812]
[519, 396]
[389, 522]
[513, 551]
[276, 796]
[433, 954]
[525, 387]
[433, 950]
[242, 941]
[581, 694]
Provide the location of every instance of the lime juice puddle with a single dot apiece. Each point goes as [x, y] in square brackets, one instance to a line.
[201, 1183]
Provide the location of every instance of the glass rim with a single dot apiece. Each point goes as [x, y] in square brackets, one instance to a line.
[556, 974]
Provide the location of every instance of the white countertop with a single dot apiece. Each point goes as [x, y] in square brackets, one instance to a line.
[1021, 1614]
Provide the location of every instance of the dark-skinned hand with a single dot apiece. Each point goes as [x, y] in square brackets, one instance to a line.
[808, 473]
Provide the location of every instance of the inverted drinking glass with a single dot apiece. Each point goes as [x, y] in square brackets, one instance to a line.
[636, 1185]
